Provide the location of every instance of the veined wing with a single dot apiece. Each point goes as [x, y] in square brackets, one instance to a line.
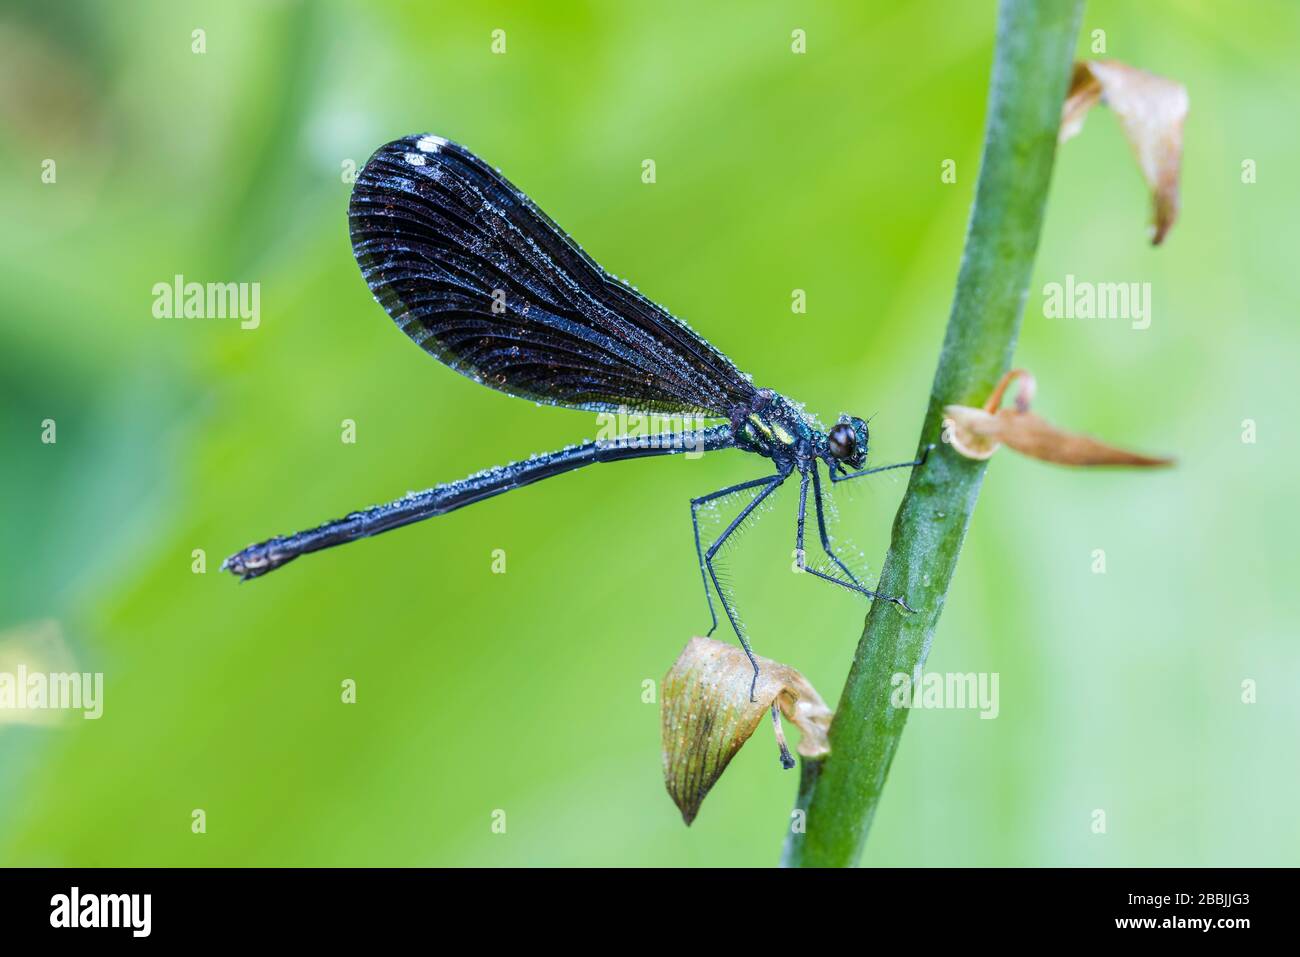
[484, 281]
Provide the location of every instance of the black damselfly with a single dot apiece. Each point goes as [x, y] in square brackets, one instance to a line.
[484, 281]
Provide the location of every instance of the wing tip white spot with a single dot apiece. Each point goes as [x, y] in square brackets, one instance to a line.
[430, 143]
[415, 159]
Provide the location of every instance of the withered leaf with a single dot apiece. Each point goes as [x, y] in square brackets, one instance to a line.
[1151, 110]
[977, 433]
[707, 714]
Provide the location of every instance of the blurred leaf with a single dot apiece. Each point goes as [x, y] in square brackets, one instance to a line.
[977, 433]
[1151, 109]
[708, 714]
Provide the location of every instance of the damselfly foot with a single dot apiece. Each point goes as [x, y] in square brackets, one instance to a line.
[787, 762]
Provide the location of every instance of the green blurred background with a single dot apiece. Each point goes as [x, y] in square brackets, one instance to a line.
[523, 691]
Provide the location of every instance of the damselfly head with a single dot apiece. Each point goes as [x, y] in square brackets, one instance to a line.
[847, 441]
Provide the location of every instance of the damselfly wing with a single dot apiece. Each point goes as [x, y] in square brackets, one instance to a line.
[483, 280]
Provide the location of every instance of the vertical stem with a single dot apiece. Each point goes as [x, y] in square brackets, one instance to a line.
[1031, 68]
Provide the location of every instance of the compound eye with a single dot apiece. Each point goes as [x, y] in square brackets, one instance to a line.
[842, 442]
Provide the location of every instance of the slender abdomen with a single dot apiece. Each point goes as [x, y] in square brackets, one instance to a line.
[263, 557]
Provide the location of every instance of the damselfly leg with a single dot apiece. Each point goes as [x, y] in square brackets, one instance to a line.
[699, 549]
[821, 528]
[925, 454]
[853, 584]
[770, 485]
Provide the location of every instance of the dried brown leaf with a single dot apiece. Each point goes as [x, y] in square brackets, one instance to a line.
[1151, 110]
[976, 434]
[707, 715]
[1084, 92]
[972, 432]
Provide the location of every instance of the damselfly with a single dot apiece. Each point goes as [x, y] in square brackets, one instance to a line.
[485, 282]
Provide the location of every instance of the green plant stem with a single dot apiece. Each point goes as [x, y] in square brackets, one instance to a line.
[1031, 68]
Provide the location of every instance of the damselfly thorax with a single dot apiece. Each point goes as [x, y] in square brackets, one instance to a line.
[776, 428]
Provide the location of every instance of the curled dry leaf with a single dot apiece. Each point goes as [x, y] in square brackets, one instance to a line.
[707, 714]
[977, 433]
[1151, 109]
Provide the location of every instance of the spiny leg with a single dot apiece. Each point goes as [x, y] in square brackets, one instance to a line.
[772, 484]
[825, 537]
[699, 551]
[925, 454]
[799, 522]
[859, 589]
[852, 585]
[821, 528]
